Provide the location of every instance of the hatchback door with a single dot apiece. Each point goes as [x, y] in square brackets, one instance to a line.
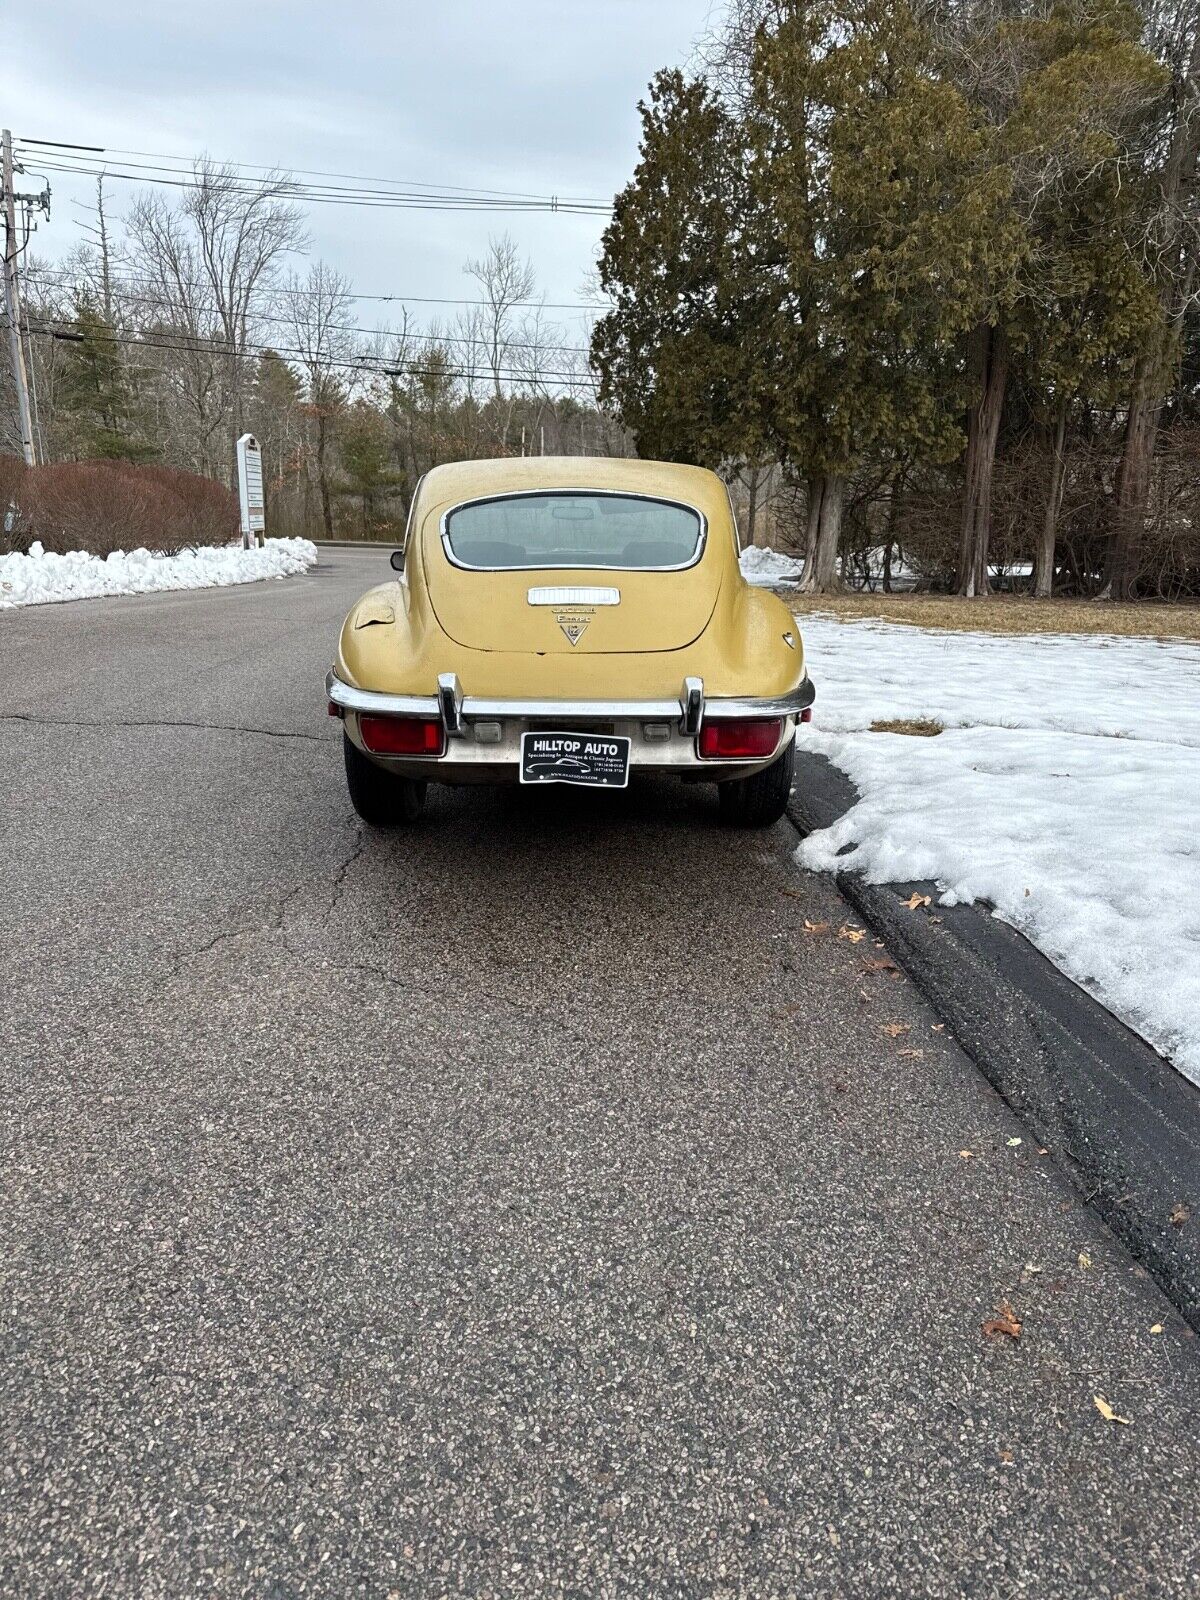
[557, 571]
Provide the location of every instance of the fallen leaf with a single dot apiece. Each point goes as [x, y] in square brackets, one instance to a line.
[1028, 892]
[884, 964]
[1012, 1143]
[1157, 1328]
[917, 900]
[1179, 1215]
[895, 1029]
[1085, 1260]
[1030, 1271]
[1107, 1412]
[815, 927]
[855, 935]
[913, 1055]
[864, 997]
[967, 1155]
[1042, 1151]
[1005, 1321]
[1007, 1457]
[937, 1027]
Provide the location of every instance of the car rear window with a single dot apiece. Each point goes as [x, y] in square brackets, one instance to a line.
[573, 529]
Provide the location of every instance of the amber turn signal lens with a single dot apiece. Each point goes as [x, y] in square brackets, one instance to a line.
[740, 740]
[402, 736]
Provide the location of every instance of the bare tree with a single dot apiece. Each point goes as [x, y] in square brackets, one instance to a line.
[319, 305]
[507, 283]
[211, 263]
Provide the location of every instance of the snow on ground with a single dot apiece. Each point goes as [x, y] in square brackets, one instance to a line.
[1065, 791]
[41, 576]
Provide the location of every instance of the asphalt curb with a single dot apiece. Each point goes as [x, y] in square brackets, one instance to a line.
[1122, 1121]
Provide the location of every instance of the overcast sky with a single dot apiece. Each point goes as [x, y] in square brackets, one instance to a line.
[531, 95]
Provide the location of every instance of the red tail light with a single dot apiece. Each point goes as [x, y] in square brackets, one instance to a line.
[402, 736]
[740, 740]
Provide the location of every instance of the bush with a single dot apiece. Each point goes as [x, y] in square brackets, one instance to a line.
[102, 506]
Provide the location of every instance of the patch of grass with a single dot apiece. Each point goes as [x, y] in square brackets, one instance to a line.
[917, 727]
[1007, 613]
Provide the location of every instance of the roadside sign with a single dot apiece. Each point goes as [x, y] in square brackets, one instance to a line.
[250, 489]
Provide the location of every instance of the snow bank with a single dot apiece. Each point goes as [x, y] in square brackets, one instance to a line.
[768, 569]
[1065, 791]
[41, 577]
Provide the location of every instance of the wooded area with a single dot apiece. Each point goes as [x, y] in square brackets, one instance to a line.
[927, 270]
[917, 278]
[183, 325]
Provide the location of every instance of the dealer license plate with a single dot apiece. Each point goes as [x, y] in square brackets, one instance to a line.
[595, 759]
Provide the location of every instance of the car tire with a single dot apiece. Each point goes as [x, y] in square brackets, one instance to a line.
[761, 799]
[380, 798]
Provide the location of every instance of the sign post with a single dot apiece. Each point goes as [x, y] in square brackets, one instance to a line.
[250, 491]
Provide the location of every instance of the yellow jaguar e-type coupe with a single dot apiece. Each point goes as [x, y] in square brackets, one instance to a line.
[569, 620]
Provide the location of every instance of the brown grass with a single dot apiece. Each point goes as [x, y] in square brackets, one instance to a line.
[917, 727]
[1005, 613]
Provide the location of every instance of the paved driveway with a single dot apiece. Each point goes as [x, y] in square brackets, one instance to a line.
[525, 1204]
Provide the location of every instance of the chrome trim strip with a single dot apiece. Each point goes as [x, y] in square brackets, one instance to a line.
[573, 595]
[450, 699]
[415, 705]
[563, 489]
[599, 710]
[783, 705]
[396, 705]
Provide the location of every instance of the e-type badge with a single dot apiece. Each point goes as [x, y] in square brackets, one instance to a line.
[573, 624]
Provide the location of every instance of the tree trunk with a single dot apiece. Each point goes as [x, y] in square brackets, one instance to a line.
[1043, 577]
[752, 512]
[323, 475]
[1177, 268]
[826, 496]
[1133, 477]
[987, 361]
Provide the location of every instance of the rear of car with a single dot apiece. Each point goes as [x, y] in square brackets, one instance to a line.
[580, 616]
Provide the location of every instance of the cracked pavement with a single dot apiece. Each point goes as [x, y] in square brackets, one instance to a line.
[525, 1204]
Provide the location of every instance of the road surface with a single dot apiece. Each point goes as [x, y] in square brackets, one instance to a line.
[527, 1204]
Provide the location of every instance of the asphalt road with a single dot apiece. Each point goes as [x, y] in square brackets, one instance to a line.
[522, 1205]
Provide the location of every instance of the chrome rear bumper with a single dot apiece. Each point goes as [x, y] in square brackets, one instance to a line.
[483, 736]
[689, 711]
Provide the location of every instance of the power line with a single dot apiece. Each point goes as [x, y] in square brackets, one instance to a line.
[372, 366]
[325, 194]
[187, 163]
[353, 294]
[163, 303]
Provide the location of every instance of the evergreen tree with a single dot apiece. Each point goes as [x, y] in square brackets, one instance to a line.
[96, 390]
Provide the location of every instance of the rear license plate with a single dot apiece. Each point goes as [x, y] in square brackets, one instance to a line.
[598, 760]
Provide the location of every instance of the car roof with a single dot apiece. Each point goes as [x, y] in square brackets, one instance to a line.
[472, 480]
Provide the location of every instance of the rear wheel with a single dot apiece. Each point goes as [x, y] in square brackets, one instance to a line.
[381, 798]
[761, 799]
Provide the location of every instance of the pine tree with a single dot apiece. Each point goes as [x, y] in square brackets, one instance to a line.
[96, 390]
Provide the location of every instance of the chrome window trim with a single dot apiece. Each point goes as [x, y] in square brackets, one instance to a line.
[532, 494]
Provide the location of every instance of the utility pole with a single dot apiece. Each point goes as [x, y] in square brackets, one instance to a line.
[12, 298]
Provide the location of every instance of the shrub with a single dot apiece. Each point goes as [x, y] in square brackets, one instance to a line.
[102, 506]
